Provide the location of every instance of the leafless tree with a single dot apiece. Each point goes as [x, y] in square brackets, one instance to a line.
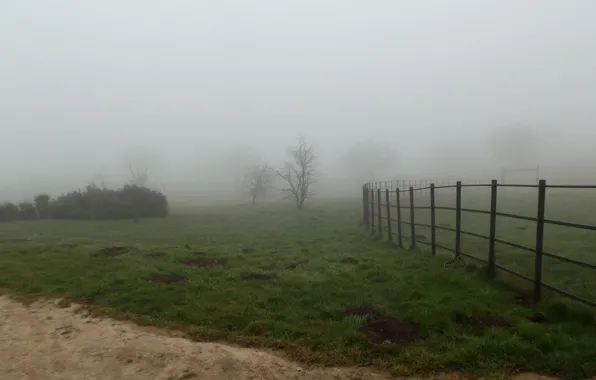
[299, 173]
[101, 181]
[258, 181]
[137, 177]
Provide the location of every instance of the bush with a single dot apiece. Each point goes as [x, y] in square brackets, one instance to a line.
[94, 203]
[27, 211]
[144, 202]
[9, 212]
[42, 204]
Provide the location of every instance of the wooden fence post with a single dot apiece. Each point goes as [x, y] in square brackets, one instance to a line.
[389, 236]
[413, 245]
[379, 210]
[457, 218]
[539, 240]
[433, 232]
[492, 259]
[398, 205]
[365, 205]
[372, 210]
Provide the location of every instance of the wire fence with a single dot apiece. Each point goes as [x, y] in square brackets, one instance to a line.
[384, 207]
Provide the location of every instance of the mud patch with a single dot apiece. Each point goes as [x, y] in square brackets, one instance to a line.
[362, 311]
[349, 260]
[258, 276]
[386, 330]
[155, 255]
[524, 300]
[289, 266]
[295, 264]
[167, 279]
[112, 251]
[482, 322]
[205, 263]
[67, 245]
[538, 318]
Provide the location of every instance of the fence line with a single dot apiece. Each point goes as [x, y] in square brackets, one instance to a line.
[372, 196]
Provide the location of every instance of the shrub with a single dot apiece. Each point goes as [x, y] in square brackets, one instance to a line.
[27, 211]
[144, 202]
[96, 203]
[42, 204]
[9, 212]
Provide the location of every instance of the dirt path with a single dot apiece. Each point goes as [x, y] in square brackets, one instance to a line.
[43, 341]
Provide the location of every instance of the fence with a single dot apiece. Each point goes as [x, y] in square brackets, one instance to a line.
[374, 205]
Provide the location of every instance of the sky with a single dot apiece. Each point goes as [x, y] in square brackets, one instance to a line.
[199, 89]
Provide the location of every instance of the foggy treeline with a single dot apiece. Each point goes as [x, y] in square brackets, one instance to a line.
[196, 94]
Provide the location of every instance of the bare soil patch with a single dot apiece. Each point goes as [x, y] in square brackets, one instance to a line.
[538, 318]
[362, 311]
[391, 330]
[293, 265]
[68, 245]
[349, 260]
[258, 276]
[524, 300]
[205, 263]
[167, 279]
[482, 322]
[385, 329]
[112, 251]
[155, 255]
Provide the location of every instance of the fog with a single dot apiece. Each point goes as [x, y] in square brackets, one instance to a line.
[197, 91]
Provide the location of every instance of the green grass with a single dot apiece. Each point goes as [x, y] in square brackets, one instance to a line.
[567, 205]
[301, 311]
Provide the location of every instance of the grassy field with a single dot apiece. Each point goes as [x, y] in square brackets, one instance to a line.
[310, 284]
[567, 205]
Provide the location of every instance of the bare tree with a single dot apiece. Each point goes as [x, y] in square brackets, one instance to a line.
[298, 174]
[141, 160]
[258, 180]
[99, 181]
[137, 177]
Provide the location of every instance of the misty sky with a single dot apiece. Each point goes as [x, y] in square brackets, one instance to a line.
[86, 85]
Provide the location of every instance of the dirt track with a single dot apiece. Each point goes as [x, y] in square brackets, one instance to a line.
[43, 341]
